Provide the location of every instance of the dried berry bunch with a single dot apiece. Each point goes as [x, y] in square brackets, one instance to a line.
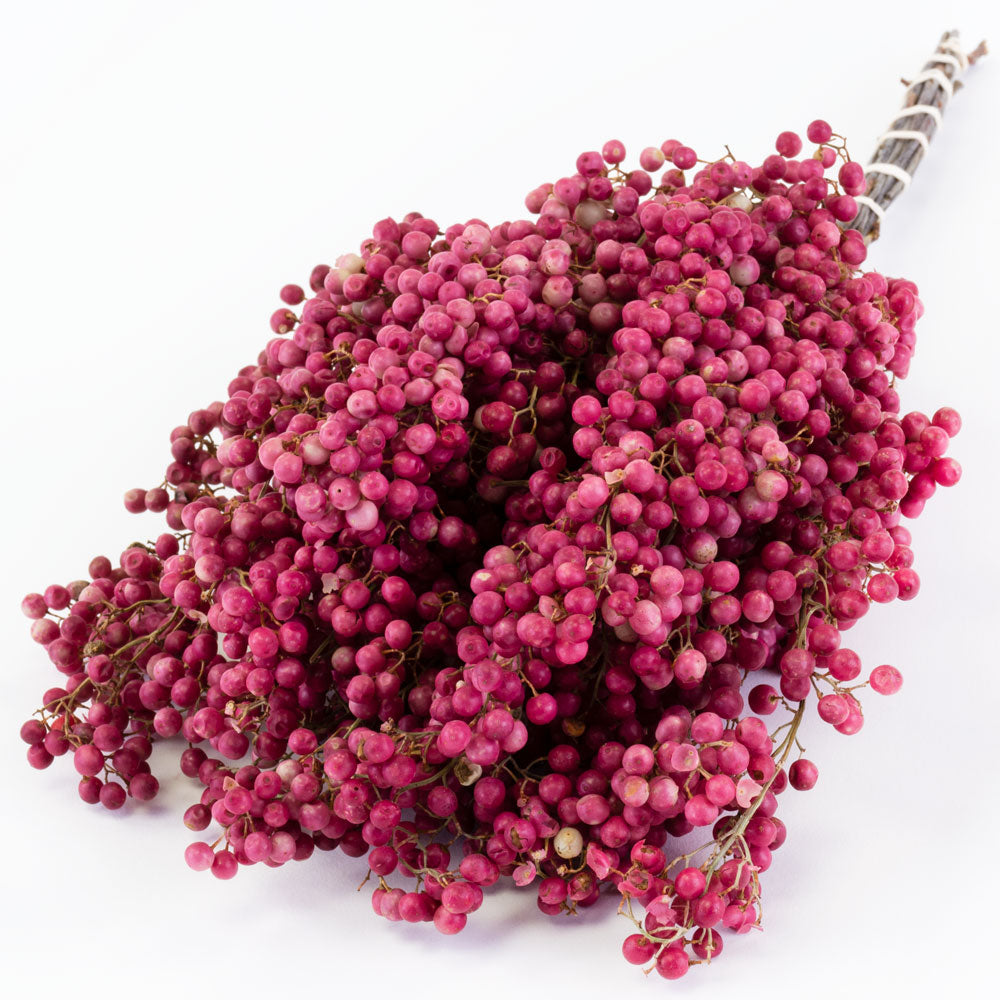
[498, 560]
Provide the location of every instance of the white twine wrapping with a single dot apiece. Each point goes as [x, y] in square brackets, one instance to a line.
[937, 76]
[872, 206]
[951, 44]
[921, 109]
[900, 149]
[902, 133]
[891, 170]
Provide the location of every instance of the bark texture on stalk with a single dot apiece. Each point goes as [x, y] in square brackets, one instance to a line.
[907, 153]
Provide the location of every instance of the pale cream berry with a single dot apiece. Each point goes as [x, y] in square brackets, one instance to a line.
[568, 842]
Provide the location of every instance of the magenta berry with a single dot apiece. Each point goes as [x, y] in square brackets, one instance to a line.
[788, 144]
[886, 679]
[819, 131]
[803, 774]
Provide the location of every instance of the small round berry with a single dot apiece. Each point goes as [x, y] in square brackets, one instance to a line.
[886, 679]
[788, 144]
[672, 963]
[819, 132]
[568, 843]
[613, 151]
[802, 775]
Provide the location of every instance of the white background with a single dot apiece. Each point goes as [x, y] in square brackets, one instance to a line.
[165, 168]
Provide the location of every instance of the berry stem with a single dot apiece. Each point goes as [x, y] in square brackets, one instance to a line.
[780, 756]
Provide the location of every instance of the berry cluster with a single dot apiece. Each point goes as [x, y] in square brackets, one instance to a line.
[495, 562]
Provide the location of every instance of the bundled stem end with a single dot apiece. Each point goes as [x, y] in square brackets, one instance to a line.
[903, 145]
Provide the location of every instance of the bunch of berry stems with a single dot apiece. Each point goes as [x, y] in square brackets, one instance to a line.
[522, 551]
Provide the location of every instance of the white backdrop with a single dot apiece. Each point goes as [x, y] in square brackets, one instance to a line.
[166, 168]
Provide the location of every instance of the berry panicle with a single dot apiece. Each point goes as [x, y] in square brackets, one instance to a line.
[499, 558]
